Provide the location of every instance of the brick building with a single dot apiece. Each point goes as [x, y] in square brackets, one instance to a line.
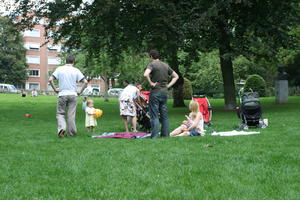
[42, 59]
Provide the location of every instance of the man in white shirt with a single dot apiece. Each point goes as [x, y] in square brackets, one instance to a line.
[68, 76]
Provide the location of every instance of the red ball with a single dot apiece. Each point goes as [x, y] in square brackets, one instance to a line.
[27, 115]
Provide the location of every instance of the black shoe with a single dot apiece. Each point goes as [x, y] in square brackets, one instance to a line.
[61, 133]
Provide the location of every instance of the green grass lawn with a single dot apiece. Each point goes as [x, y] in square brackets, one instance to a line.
[35, 164]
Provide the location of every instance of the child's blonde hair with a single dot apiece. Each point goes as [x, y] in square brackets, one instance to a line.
[89, 102]
[193, 106]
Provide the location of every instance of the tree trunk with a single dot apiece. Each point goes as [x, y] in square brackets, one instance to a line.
[113, 82]
[178, 86]
[106, 80]
[227, 69]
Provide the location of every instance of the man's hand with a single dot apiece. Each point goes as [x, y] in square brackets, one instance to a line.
[85, 83]
[153, 84]
[52, 84]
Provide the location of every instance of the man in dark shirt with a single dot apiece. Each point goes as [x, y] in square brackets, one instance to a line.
[157, 74]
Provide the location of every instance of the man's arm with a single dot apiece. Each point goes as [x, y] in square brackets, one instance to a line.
[52, 84]
[147, 76]
[85, 83]
[174, 79]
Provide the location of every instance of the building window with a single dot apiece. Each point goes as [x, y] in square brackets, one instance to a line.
[32, 86]
[54, 60]
[34, 73]
[54, 48]
[33, 59]
[32, 46]
[32, 33]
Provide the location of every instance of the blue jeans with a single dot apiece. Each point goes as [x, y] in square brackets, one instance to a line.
[158, 111]
[194, 132]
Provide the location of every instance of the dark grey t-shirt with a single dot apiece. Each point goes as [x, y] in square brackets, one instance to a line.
[160, 73]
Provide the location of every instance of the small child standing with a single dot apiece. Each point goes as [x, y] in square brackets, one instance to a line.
[194, 125]
[90, 120]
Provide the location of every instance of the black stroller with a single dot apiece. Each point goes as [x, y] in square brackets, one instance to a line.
[250, 111]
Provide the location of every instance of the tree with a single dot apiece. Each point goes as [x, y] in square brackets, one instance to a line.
[114, 27]
[238, 27]
[205, 75]
[234, 27]
[95, 66]
[12, 54]
[132, 66]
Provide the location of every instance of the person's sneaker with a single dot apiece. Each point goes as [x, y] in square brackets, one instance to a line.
[61, 133]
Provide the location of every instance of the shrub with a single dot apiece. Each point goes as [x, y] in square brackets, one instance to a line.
[187, 89]
[257, 84]
[270, 91]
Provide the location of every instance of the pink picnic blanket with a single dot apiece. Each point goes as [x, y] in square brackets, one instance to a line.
[126, 135]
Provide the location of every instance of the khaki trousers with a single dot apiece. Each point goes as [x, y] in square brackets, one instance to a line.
[67, 104]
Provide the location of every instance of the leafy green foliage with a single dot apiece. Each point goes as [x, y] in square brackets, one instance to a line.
[240, 28]
[205, 75]
[187, 89]
[234, 27]
[293, 70]
[12, 53]
[132, 67]
[257, 84]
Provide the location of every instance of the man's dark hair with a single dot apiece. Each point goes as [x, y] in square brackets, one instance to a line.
[70, 60]
[154, 54]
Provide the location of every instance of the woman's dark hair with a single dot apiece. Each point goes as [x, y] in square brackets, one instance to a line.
[154, 54]
[70, 60]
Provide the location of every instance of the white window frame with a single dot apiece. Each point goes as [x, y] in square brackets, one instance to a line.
[52, 63]
[28, 83]
[54, 47]
[29, 45]
[34, 75]
[30, 33]
[33, 62]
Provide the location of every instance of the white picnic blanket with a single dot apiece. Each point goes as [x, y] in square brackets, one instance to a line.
[233, 133]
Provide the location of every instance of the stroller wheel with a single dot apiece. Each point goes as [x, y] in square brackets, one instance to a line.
[261, 124]
[243, 127]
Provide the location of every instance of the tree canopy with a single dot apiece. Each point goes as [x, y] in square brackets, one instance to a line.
[12, 54]
[234, 27]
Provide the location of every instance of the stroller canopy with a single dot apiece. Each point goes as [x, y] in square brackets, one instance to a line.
[204, 107]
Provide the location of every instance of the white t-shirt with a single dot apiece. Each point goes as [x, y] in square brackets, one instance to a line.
[68, 77]
[129, 93]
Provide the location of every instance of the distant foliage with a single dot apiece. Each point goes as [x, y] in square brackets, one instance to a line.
[187, 89]
[13, 68]
[257, 84]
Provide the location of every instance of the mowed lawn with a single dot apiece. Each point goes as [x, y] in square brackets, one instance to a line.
[36, 164]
